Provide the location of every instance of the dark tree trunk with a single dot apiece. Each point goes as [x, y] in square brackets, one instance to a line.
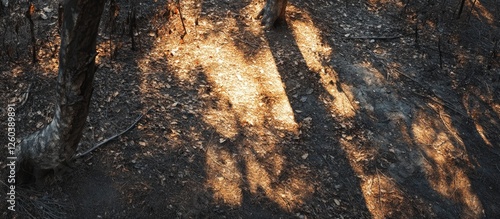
[54, 146]
[3, 4]
[273, 13]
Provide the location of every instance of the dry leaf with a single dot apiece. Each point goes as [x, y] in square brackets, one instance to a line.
[337, 202]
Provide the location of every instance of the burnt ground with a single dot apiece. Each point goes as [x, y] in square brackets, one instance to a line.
[353, 109]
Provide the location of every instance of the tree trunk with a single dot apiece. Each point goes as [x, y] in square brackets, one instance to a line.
[273, 13]
[52, 148]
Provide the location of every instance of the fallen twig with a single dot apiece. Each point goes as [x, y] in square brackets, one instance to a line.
[182, 20]
[78, 155]
[457, 138]
[377, 37]
[240, 37]
[379, 190]
[33, 204]
[434, 96]
[248, 43]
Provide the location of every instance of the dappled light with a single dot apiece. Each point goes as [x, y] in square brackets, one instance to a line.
[432, 140]
[482, 12]
[446, 174]
[225, 122]
[250, 99]
[224, 177]
[482, 133]
[315, 53]
[362, 109]
[483, 118]
[104, 51]
[251, 92]
[380, 191]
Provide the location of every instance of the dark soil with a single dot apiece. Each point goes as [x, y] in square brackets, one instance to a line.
[353, 109]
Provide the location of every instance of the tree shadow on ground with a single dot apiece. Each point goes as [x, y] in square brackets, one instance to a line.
[321, 135]
[397, 118]
[317, 134]
[437, 117]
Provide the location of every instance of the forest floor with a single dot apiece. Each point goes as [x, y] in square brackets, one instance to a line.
[344, 112]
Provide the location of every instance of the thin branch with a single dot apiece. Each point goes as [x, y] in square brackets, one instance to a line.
[460, 9]
[379, 190]
[78, 155]
[378, 37]
[434, 97]
[453, 133]
[182, 20]
[493, 54]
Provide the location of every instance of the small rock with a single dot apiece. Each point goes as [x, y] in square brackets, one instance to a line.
[304, 156]
[47, 9]
[43, 16]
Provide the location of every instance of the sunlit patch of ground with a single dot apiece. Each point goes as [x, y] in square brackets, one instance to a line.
[443, 157]
[474, 102]
[444, 161]
[481, 12]
[380, 191]
[251, 100]
[316, 54]
[228, 67]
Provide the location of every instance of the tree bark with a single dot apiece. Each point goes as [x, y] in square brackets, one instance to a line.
[53, 147]
[273, 13]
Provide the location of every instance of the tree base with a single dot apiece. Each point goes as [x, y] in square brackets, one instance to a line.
[29, 174]
[273, 13]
